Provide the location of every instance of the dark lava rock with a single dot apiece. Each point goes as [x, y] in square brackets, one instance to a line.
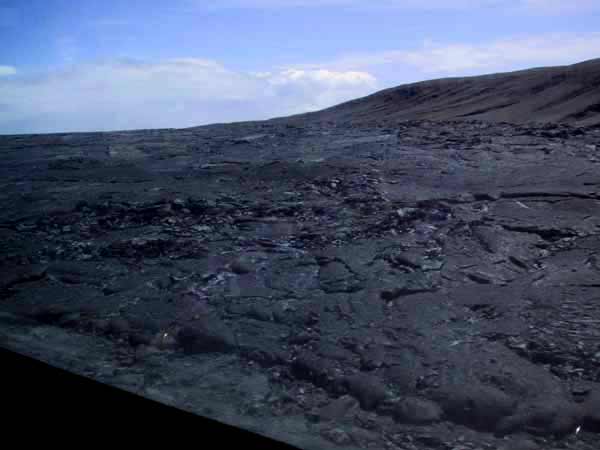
[69, 320]
[404, 372]
[479, 407]
[310, 367]
[403, 378]
[15, 319]
[332, 351]
[315, 288]
[164, 341]
[408, 259]
[392, 294]
[18, 275]
[260, 313]
[338, 408]
[372, 358]
[241, 267]
[543, 417]
[302, 338]
[118, 327]
[368, 390]
[267, 358]
[335, 277]
[206, 335]
[591, 408]
[138, 338]
[417, 410]
[295, 317]
[49, 314]
[336, 435]
[147, 325]
[413, 283]
[99, 326]
[520, 444]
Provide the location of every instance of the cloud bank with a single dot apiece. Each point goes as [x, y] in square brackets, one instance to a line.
[126, 94]
[434, 59]
[397, 4]
[169, 94]
[561, 6]
[552, 49]
[7, 70]
[528, 6]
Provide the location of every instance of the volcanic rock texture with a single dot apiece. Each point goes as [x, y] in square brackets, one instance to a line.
[407, 285]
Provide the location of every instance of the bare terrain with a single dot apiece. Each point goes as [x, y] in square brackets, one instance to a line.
[564, 94]
[333, 284]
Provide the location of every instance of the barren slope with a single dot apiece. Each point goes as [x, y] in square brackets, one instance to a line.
[565, 94]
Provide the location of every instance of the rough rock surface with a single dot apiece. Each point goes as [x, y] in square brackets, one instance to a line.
[409, 285]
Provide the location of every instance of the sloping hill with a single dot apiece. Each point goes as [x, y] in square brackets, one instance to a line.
[566, 94]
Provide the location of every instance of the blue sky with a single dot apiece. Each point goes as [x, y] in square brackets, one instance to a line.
[123, 64]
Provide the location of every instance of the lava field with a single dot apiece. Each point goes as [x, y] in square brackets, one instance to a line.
[398, 285]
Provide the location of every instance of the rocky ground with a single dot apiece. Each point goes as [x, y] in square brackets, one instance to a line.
[415, 285]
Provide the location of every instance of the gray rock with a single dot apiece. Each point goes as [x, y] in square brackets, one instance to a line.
[520, 444]
[368, 390]
[310, 367]
[206, 335]
[69, 320]
[418, 411]
[403, 377]
[164, 341]
[118, 327]
[14, 319]
[241, 267]
[338, 408]
[476, 406]
[543, 417]
[372, 358]
[260, 313]
[49, 314]
[409, 284]
[336, 435]
[591, 409]
[138, 338]
[335, 277]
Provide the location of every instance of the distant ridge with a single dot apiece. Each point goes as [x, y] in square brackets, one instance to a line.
[562, 94]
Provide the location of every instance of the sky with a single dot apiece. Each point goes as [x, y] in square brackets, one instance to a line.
[90, 65]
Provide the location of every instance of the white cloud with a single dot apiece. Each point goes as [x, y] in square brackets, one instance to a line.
[321, 76]
[7, 70]
[184, 92]
[447, 59]
[173, 93]
[315, 89]
[522, 6]
[350, 4]
[110, 22]
[560, 6]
